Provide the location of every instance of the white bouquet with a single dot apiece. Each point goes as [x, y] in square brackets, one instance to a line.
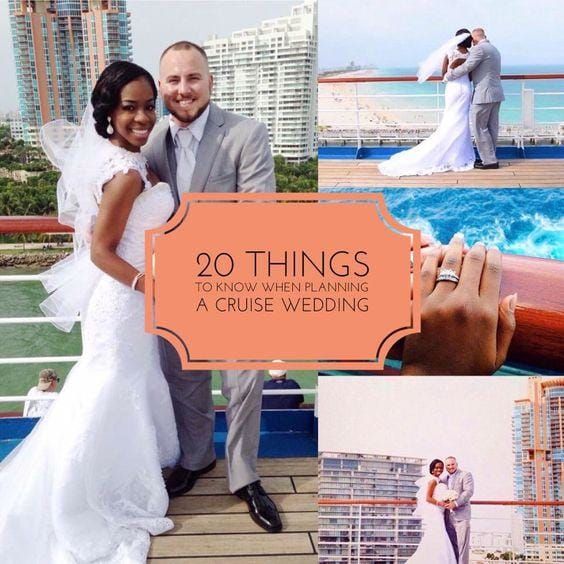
[449, 496]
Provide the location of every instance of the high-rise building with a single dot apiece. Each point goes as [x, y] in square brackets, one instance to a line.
[60, 48]
[388, 534]
[16, 126]
[538, 473]
[269, 73]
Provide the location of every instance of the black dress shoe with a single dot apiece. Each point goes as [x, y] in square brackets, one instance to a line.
[181, 480]
[483, 166]
[477, 162]
[262, 509]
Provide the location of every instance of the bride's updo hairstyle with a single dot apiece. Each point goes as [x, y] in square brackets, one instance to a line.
[434, 463]
[106, 94]
[468, 41]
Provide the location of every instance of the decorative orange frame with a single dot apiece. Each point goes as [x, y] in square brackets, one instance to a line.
[153, 325]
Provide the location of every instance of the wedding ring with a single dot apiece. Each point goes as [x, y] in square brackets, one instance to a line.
[448, 275]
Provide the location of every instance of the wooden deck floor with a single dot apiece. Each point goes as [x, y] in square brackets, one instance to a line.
[211, 525]
[522, 173]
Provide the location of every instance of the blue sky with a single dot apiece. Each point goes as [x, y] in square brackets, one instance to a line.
[400, 33]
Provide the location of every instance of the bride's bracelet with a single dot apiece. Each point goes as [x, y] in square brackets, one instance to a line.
[138, 277]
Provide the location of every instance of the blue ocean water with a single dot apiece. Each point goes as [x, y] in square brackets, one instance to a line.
[548, 93]
[519, 221]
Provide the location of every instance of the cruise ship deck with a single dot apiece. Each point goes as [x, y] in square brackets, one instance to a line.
[212, 525]
[518, 173]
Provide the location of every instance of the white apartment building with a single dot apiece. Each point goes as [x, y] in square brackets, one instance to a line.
[17, 127]
[269, 73]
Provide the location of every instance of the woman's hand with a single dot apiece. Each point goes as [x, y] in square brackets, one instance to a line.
[456, 63]
[464, 328]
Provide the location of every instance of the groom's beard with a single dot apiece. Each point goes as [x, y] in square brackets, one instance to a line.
[191, 120]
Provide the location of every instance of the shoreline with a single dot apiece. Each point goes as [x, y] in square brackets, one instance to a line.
[27, 259]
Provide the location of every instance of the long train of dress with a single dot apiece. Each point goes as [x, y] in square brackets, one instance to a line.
[86, 485]
[449, 147]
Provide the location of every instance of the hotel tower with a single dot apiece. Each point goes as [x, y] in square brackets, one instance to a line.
[388, 534]
[269, 73]
[60, 48]
[538, 448]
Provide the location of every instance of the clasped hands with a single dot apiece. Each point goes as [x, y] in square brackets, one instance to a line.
[456, 63]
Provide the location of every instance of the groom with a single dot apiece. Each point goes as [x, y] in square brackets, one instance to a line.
[484, 62]
[204, 148]
[458, 513]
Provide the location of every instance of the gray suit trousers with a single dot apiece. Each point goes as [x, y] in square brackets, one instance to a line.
[451, 532]
[462, 531]
[195, 416]
[485, 127]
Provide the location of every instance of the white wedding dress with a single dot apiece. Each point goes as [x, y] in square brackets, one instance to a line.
[450, 146]
[435, 546]
[86, 485]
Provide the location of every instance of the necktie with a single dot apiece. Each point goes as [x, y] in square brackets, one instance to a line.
[186, 160]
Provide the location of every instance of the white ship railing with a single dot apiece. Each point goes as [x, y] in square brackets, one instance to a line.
[357, 131]
[348, 533]
[71, 359]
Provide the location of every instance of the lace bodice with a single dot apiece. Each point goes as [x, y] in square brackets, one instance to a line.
[152, 208]
[116, 160]
[456, 54]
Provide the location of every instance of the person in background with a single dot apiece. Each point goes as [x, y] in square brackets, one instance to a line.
[46, 388]
[278, 381]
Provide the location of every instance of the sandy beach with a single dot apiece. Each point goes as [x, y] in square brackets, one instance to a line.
[377, 114]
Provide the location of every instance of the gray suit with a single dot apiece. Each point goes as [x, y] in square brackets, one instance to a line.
[457, 521]
[484, 62]
[233, 156]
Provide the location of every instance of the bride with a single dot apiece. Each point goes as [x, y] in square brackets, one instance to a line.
[86, 485]
[435, 546]
[450, 146]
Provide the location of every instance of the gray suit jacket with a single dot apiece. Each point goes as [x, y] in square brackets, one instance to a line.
[233, 155]
[484, 62]
[462, 483]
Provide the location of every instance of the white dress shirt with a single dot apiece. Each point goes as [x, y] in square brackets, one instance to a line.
[186, 147]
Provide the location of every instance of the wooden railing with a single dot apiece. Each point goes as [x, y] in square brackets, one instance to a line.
[539, 335]
[32, 224]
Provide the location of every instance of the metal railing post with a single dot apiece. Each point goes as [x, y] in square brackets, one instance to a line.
[358, 532]
[438, 104]
[357, 106]
[527, 110]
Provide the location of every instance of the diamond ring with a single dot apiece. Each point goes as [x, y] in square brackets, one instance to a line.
[448, 275]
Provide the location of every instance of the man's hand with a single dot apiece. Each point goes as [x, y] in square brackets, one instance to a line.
[456, 63]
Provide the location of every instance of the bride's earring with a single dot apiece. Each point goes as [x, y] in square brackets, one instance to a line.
[109, 129]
